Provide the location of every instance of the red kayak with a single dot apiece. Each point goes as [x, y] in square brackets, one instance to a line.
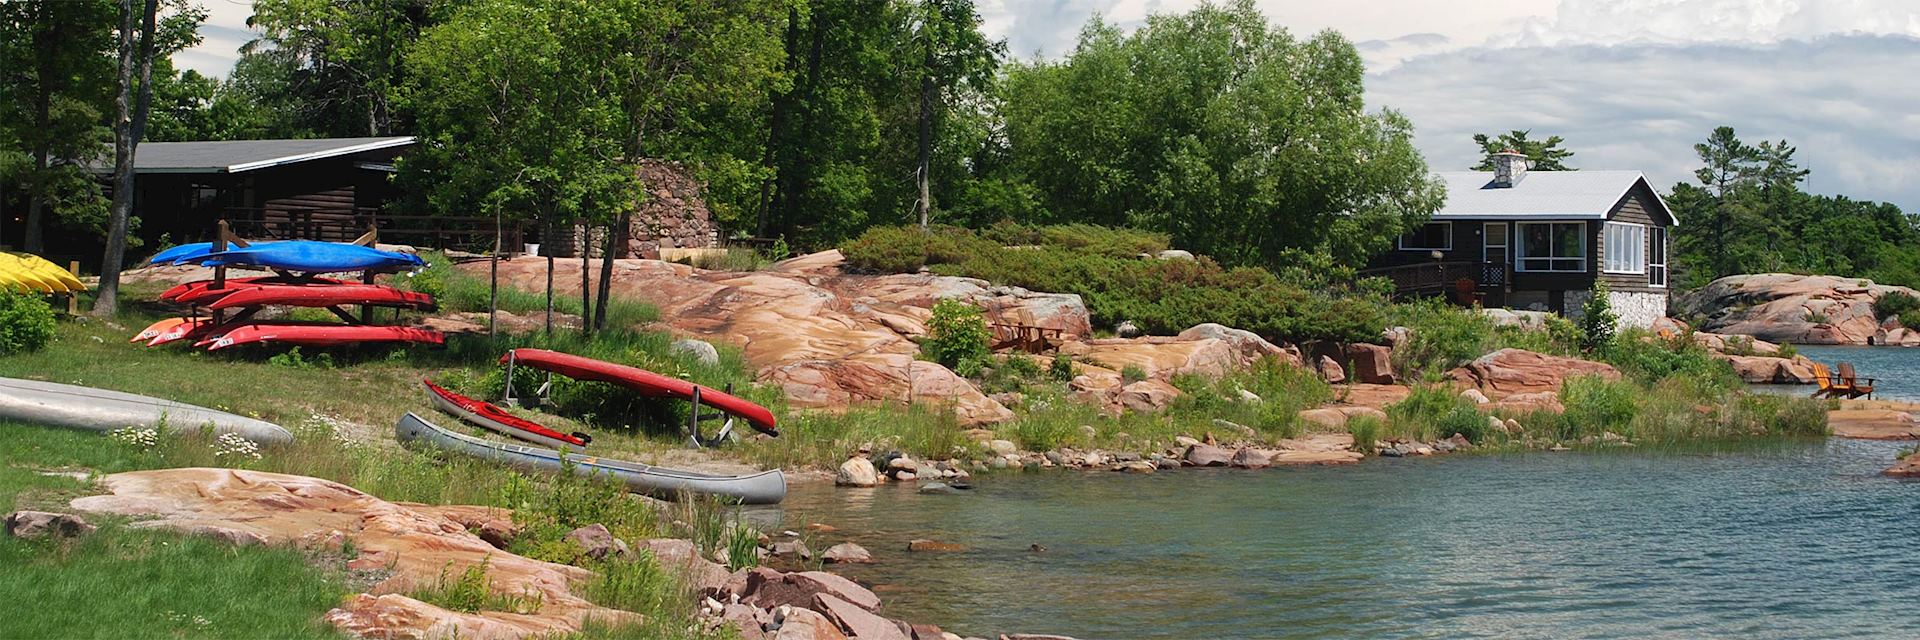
[498, 420]
[645, 382]
[294, 295]
[159, 328]
[198, 290]
[320, 335]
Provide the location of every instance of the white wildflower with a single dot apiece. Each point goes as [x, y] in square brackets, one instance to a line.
[143, 438]
[232, 445]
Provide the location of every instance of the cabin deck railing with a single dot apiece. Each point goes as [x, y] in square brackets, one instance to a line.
[467, 233]
[1432, 278]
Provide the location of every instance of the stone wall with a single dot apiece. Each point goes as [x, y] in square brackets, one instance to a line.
[674, 216]
[1634, 309]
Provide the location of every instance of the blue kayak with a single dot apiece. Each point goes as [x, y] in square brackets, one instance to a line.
[304, 255]
[178, 254]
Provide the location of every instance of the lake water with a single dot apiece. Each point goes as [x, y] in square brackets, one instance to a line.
[1896, 370]
[1787, 540]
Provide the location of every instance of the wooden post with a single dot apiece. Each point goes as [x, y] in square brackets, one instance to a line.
[73, 297]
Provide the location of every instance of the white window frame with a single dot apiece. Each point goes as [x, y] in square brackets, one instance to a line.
[1402, 242]
[1519, 247]
[1631, 251]
[1506, 245]
[1658, 268]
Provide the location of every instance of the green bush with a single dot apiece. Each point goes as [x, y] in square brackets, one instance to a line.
[1442, 336]
[1433, 412]
[1597, 319]
[1596, 405]
[957, 336]
[1650, 359]
[1895, 304]
[1062, 367]
[1101, 266]
[1133, 373]
[26, 323]
[1366, 431]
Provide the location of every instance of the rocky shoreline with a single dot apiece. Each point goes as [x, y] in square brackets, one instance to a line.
[403, 547]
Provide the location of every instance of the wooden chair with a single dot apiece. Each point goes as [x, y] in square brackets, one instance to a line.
[1823, 377]
[1467, 292]
[1851, 382]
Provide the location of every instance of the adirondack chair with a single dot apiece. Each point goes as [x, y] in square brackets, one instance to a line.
[1467, 292]
[1824, 377]
[1855, 388]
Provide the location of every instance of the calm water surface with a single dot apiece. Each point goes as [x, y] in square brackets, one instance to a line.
[1795, 540]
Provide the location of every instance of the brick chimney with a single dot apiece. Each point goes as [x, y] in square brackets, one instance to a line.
[1509, 167]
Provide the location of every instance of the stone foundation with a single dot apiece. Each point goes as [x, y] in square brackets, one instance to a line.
[1634, 309]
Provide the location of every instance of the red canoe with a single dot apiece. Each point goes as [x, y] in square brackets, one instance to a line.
[498, 420]
[321, 335]
[295, 295]
[198, 290]
[645, 382]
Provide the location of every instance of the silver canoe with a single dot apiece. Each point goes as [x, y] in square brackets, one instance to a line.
[77, 407]
[457, 411]
[768, 487]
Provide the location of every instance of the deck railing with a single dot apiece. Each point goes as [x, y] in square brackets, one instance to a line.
[1431, 278]
[468, 233]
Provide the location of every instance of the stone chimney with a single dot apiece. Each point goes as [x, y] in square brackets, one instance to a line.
[1509, 167]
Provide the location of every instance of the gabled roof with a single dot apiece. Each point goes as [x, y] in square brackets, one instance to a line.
[1539, 195]
[235, 156]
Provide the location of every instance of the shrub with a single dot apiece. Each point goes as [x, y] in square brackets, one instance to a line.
[1650, 359]
[1366, 431]
[1133, 373]
[957, 336]
[1021, 367]
[732, 259]
[26, 323]
[1597, 319]
[1761, 414]
[1100, 265]
[1062, 367]
[1435, 411]
[1441, 336]
[1595, 405]
[1895, 304]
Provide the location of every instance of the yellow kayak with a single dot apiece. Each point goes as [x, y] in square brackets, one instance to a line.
[25, 271]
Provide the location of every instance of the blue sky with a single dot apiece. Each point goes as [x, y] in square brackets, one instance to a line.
[1631, 84]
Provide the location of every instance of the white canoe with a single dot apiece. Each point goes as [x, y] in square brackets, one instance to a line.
[767, 487]
[77, 407]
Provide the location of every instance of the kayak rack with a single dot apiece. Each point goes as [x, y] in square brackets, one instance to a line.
[226, 236]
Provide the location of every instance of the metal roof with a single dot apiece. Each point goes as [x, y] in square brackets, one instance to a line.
[235, 156]
[1585, 195]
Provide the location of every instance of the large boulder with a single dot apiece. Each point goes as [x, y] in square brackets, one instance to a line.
[1372, 363]
[409, 547]
[857, 471]
[828, 339]
[1772, 370]
[1517, 371]
[1799, 309]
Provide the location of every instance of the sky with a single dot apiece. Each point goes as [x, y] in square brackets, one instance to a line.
[1630, 84]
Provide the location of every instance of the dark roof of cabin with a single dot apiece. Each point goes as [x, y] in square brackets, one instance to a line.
[235, 156]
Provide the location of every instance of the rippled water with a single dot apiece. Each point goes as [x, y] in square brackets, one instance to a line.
[1896, 370]
[1792, 540]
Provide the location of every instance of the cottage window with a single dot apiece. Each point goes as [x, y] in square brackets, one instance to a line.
[1433, 236]
[1626, 246]
[1552, 246]
[1657, 257]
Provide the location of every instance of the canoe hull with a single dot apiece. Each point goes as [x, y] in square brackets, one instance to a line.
[643, 381]
[310, 256]
[77, 407]
[452, 406]
[321, 335]
[298, 295]
[768, 487]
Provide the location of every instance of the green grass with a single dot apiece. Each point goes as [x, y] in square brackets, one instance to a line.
[130, 583]
[458, 291]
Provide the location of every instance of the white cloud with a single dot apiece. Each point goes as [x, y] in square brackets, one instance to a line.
[1843, 100]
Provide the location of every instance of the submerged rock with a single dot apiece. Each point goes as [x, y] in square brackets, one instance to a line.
[934, 545]
[847, 553]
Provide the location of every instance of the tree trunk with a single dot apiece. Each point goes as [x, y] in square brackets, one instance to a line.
[586, 297]
[130, 122]
[792, 176]
[493, 278]
[924, 206]
[615, 234]
[47, 80]
[777, 126]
